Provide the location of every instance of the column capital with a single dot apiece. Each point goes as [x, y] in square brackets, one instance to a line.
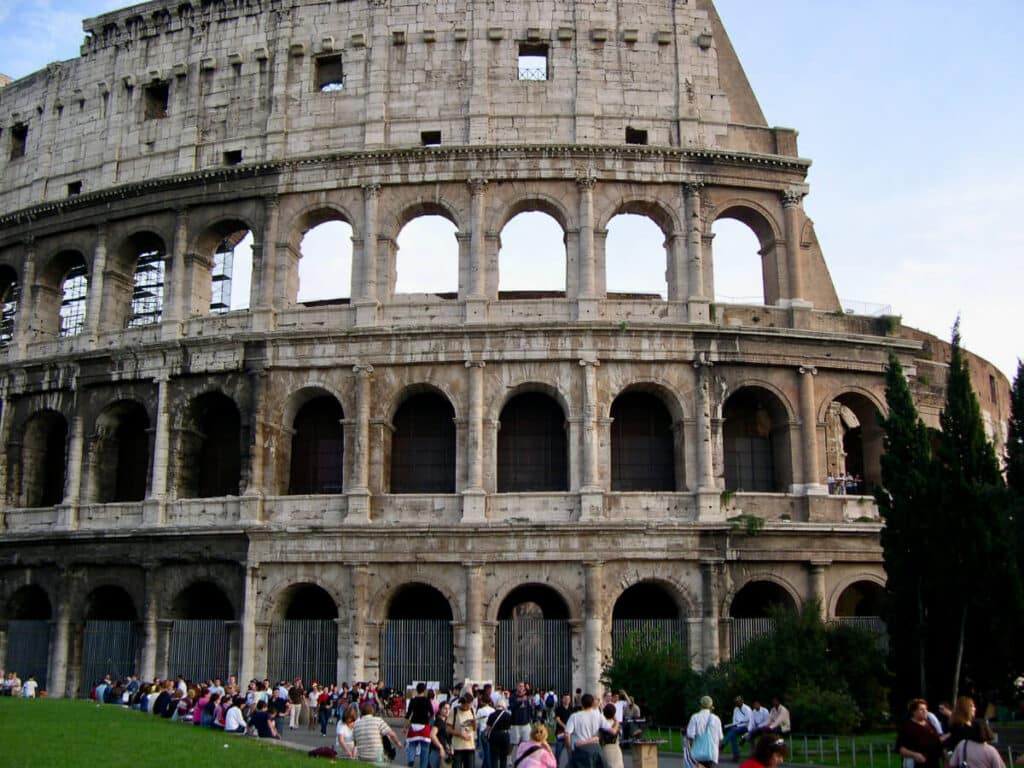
[271, 202]
[586, 180]
[818, 564]
[584, 362]
[792, 198]
[362, 370]
[808, 369]
[693, 187]
[703, 360]
[476, 364]
[477, 185]
[372, 189]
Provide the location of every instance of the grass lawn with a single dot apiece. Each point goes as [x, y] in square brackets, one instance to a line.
[59, 733]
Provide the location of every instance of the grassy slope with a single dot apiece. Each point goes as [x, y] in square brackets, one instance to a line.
[53, 733]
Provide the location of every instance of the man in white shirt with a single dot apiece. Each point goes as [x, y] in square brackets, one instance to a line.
[581, 735]
[234, 720]
[28, 691]
[738, 727]
[778, 718]
[758, 719]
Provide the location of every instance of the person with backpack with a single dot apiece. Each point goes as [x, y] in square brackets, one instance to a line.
[703, 734]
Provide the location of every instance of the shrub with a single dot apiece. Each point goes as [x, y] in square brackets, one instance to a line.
[814, 710]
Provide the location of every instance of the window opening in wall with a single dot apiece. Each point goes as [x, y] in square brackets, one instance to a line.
[531, 257]
[428, 257]
[74, 188]
[533, 61]
[9, 293]
[737, 264]
[231, 273]
[329, 75]
[430, 138]
[148, 293]
[157, 98]
[72, 305]
[233, 157]
[19, 140]
[992, 391]
[635, 258]
[635, 136]
[325, 266]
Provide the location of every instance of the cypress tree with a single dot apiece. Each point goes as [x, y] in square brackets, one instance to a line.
[1015, 435]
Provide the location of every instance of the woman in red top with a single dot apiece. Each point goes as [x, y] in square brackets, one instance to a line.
[769, 752]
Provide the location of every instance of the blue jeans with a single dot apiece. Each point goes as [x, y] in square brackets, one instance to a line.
[485, 751]
[559, 749]
[732, 739]
[417, 753]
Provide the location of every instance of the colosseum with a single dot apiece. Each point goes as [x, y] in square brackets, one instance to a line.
[482, 482]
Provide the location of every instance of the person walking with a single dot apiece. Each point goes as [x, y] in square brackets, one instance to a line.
[703, 734]
[582, 735]
[462, 725]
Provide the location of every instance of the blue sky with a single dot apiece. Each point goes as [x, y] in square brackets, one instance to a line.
[911, 111]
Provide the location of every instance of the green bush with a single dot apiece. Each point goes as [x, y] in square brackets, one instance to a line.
[814, 710]
[657, 673]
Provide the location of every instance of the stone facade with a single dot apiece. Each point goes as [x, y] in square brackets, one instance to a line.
[145, 457]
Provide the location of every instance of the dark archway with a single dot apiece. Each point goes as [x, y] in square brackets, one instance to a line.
[756, 442]
[758, 599]
[532, 445]
[646, 615]
[110, 603]
[210, 455]
[861, 599]
[854, 443]
[110, 637]
[202, 600]
[10, 293]
[199, 633]
[533, 642]
[423, 445]
[121, 453]
[305, 643]
[29, 613]
[417, 642]
[642, 444]
[29, 603]
[318, 446]
[43, 459]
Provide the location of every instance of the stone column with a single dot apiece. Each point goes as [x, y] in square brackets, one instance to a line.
[476, 271]
[261, 290]
[178, 304]
[812, 483]
[708, 503]
[366, 301]
[59, 645]
[588, 293]
[359, 488]
[709, 569]
[73, 484]
[150, 631]
[591, 498]
[593, 627]
[94, 299]
[474, 640]
[697, 299]
[247, 639]
[25, 321]
[357, 621]
[155, 509]
[256, 480]
[816, 584]
[473, 497]
[791, 207]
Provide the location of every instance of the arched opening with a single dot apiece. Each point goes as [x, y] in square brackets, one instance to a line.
[28, 611]
[43, 459]
[318, 446]
[231, 272]
[531, 257]
[74, 290]
[533, 642]
[854, 443]
[862, 599]
[647, 616]
[737, 261]
[751, 611]
[635, 258]
[120, 454]
[325, 266]
[417, 642]
[199, 632]
[532, 445]
[305, 643]
[423, 445]
[147, 253]
[210, 455]
[756, 442]
[110, 637]
[9, 294]
[642, 444]
[428, 257]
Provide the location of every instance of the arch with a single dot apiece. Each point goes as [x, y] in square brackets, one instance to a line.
[226, 245]
[533, 451]
[859, 595]
[761, 223]
[854, 440]
[29, 603]
[539, 203]
[322, 235]
[636, 258]
[202, 600]
[643, 443]
[318, 447]
[533, 638]
[648, 599]
[759, 596]
[306, 601]
[530, 264]
[210, 451]
[423, 445]
[43, 459]
[120, 453]
[649, 615]
[662, 215]
[10, 293]
[143, 255]
[439, 207]
[418, 600]
[418, 641]
[109, 602]
[756, 441]
[427, 255]
[61, 295]
[534, 601]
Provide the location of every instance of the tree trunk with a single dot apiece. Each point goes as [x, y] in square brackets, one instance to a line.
[920, 638]
[959, 652]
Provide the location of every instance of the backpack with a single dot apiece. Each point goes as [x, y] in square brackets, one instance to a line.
[549, 702]
[703, 749]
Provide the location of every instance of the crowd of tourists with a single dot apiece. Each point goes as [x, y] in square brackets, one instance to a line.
[11, 685]
[844, 484]
[705, 736]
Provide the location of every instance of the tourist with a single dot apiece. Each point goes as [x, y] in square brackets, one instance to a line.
[976, 750]
[917, 739]
[262, 721]
[608, 737]
[960, 722]
[520, 708]
[769, 752]
[462, 726]
[343, 733]
[499, 724]
[484, 710]
[28, 690]
[536, 752]
[440, 739]
[739, 726]
[582, 735]
[234, 720]
[419, 714]
[703, 734]
[368, 734]
[563, 712]
[778, 718]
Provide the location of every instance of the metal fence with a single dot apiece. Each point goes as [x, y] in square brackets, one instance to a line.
[873, 624]
[649, 633]
[538, 651]
[198, 649]
[417, 649]
[108, 647]
[306, 648]
[745, 630]
[28, 649]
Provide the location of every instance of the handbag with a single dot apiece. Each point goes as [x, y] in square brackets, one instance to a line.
[703, 746]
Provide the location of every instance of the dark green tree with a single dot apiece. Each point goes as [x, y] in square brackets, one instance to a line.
[904, 501]
[1015, 435]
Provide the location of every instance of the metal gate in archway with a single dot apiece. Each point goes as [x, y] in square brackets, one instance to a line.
[538, 651]
[649, 634]
[198, 649]
[108, 647]
[306, 648]
[28, 649]
[417, 649]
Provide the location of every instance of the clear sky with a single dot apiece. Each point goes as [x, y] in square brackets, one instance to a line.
[912, 112]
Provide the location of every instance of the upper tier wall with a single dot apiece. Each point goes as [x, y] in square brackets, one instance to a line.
[240, 82]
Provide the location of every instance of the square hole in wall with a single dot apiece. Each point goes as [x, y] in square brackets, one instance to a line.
[430, 138]
[635, 136]
[533, 61]
[329, 74]
[233, 157]
[74, 188]
[19, 140]
[157, 97]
